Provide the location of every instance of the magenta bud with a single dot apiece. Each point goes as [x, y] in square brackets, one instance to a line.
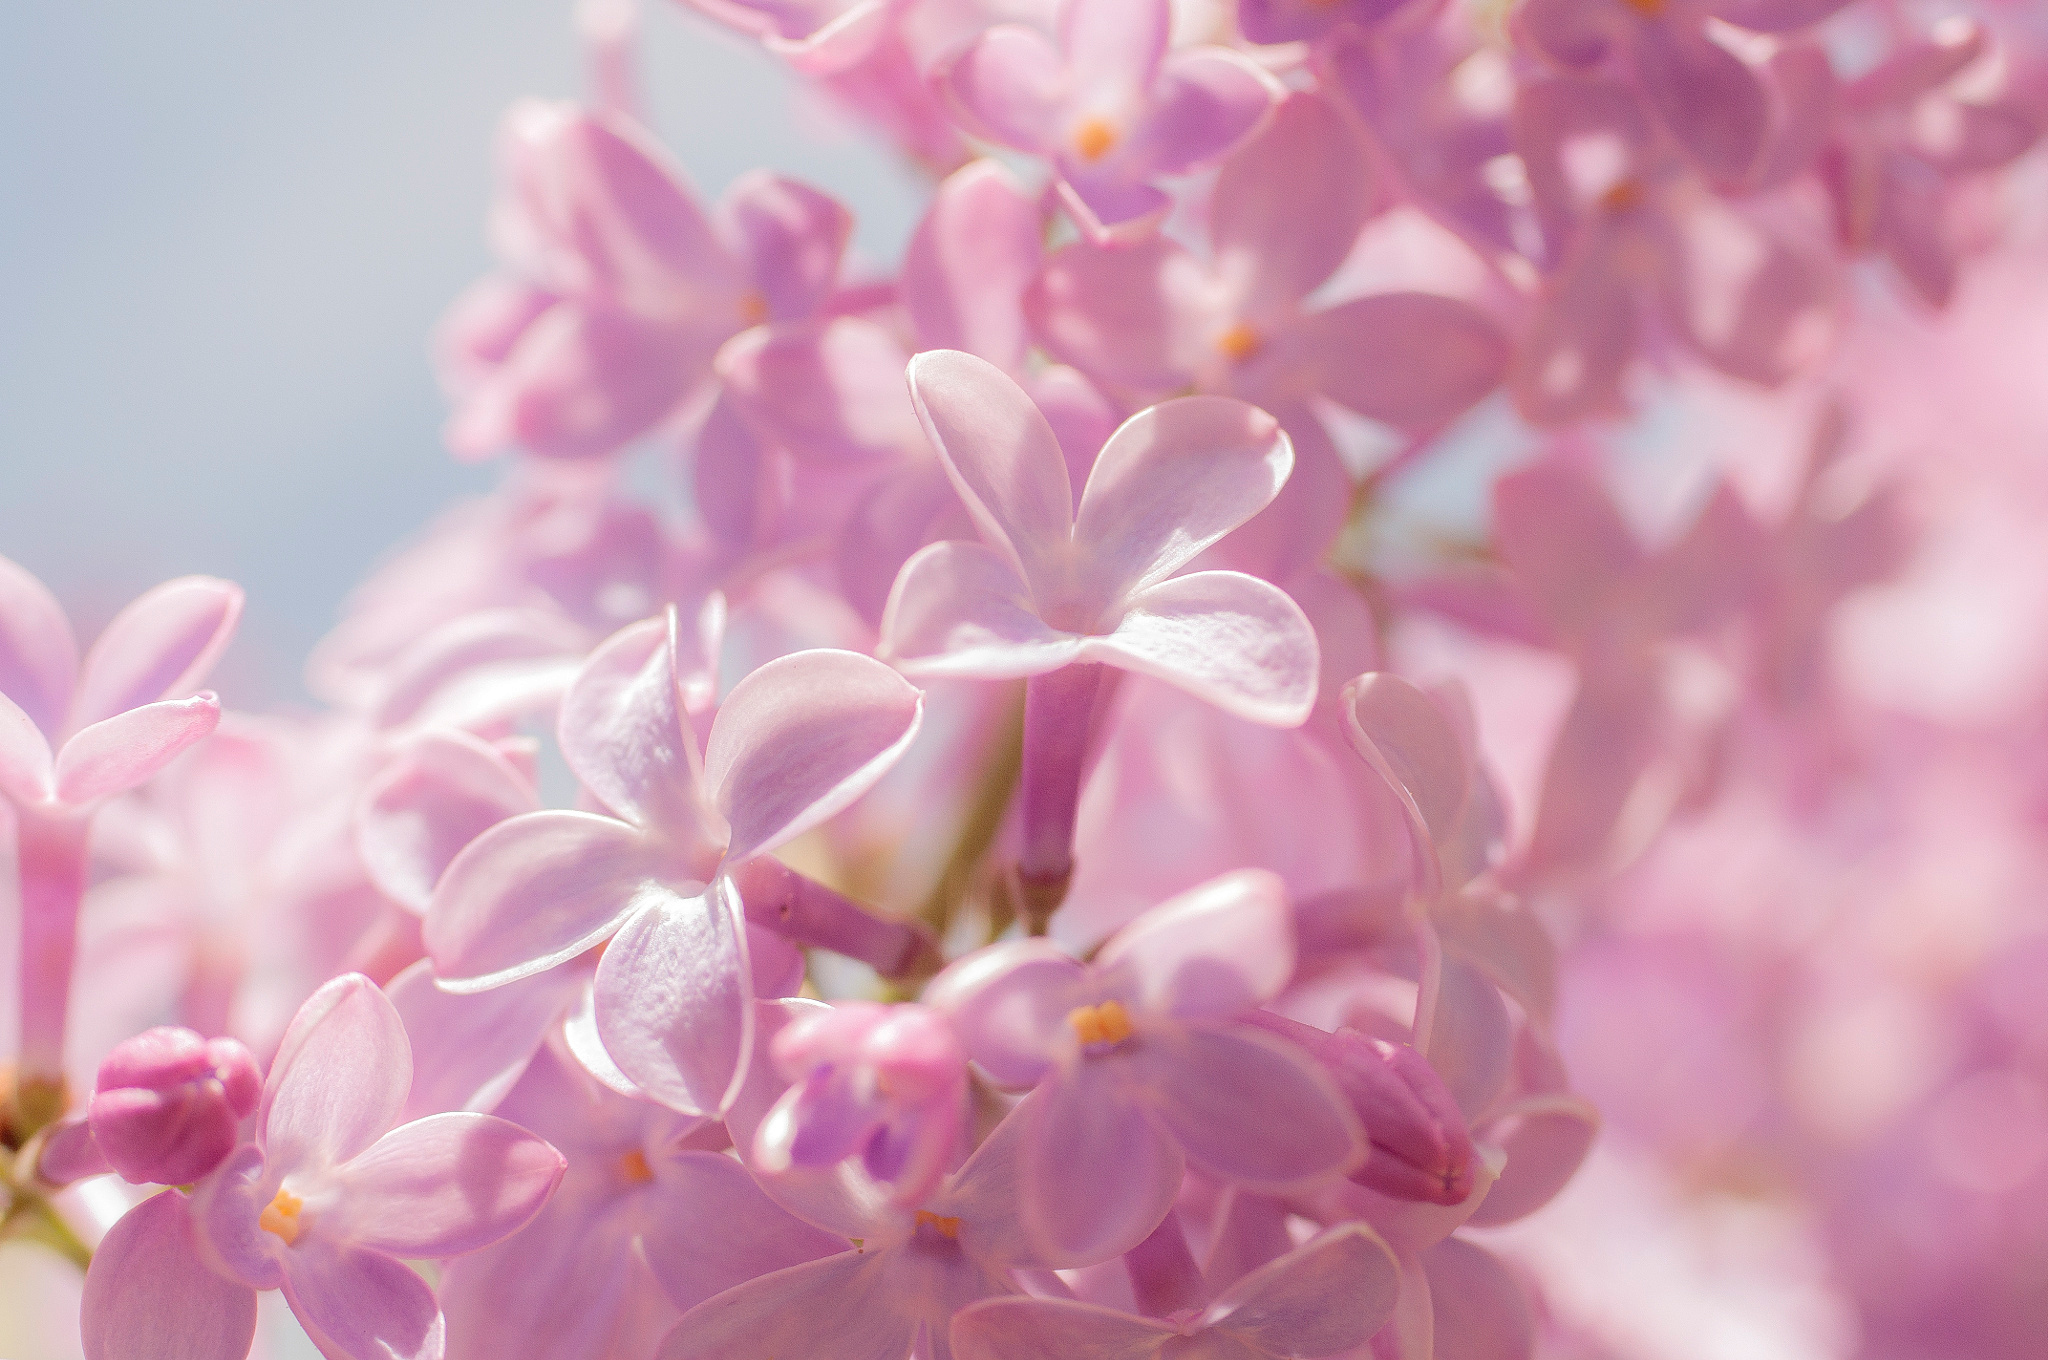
[1421, 1149]
[168, 1104]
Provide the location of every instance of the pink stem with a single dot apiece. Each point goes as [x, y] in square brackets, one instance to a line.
[1058, 707]
[1164, 1276]
[808, 913]
[51, 851]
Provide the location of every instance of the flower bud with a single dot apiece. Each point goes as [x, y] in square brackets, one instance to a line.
[167, 1104]
[886, 1084]
[1421, 1149]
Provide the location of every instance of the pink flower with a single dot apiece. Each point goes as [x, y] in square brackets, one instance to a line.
[651, 1218]
[1155, 318]
[112, 724]
[327, 1204]
[793, 743]
[1141, 1065]
[886, 1084]
[620, 288]
[1055, 586]
[1108, 105]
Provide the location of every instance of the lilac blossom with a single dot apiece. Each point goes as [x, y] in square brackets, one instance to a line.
[1141, 1064]
[326, 1203]
[1108, 105]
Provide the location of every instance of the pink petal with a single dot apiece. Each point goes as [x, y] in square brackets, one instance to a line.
[25, 765]
[1142, 317]
[149, 1292]
[1229, 639]
[226, 1209]
[488, 667]
[1546, 1138]
[1405, 737]
[1479, 1309]
[1212, 952]
[1007, 86]
[1113, 47]
[38, 657]
[126, 750]
[1560, 534]
[1207, 101]
[1408, 359]
[442, 1186]
[828, 394]
[592, 207]
[583, 383]
[358, 1305]
[969, 262]
[1003, 458]
[1031, 1328]
[1289, 203]
[1009, 1003]
[1297, 531]
[532, 892]
[1568, 32]
[339, 1079]
[960, 609]
[1251, 1109]
[159, 647]
[1714, 105]
[675, 1001]
[801, 738]
[844, 1307]
[1322, 1298]
[697, 1189]
[1171, 481]
[469, 1051]
[442, 791]
[791, 236]
[1098, 1170]
[621, 727]
[1607, 741]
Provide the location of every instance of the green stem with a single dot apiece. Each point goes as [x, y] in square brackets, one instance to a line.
[992, 794]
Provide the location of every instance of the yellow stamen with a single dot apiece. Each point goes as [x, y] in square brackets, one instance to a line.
[945, 1227]
[633, 1166]
[1108, 1023]
[1240, 342]
[1625, 196]
[281, 1216]
[1649, 9]
[1093, 138]
[753, 308]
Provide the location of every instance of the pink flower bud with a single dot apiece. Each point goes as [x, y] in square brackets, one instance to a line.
[167, 1104]
[1421, 1149]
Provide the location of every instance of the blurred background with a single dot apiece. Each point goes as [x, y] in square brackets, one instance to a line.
[226, 229]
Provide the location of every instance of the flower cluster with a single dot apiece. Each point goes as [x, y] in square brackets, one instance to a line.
[1050, 836]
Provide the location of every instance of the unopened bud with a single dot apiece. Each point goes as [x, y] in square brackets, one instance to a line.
[168, 1103]
[1421, 1149]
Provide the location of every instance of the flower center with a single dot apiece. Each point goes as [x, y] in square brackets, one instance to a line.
[1108, 1023]
[1649, 9]
[1240, 342]
[633, 1166]
[753, 307]
[281, 1216]
[945, 1227]
[1626, 195]
[1094, 137]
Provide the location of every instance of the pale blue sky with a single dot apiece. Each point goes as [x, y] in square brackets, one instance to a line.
[225, 229]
